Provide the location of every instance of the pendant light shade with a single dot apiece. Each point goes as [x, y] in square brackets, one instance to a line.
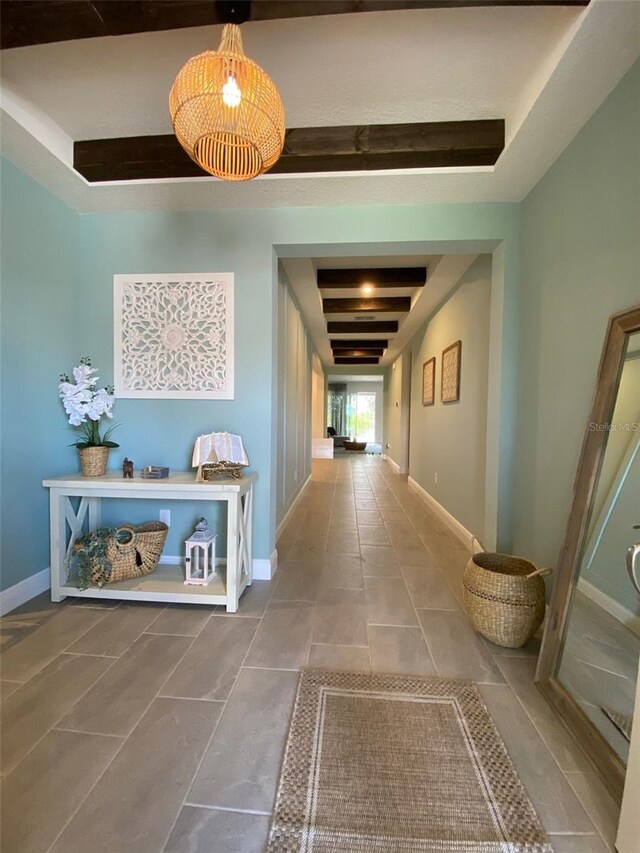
[227, 113]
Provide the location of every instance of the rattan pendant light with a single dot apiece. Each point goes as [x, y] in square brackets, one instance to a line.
[226, 111]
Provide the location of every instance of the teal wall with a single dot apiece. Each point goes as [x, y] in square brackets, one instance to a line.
[57, 306]
[39, 283]
[293, 438]
[395, 406]
[163, 431]
[580, 263]
[397, 411]
[450, 439]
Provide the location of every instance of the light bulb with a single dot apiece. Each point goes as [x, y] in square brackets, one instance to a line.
[367, 288]
[231, 94]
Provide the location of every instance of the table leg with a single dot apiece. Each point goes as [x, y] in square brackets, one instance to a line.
[248, 529]
[95, 513]
[57, 543]
[233, 506]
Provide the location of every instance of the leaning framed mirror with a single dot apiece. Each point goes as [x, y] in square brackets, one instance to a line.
[588, 663]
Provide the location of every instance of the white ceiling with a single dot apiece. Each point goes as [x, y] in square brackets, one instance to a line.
[339, 69]
[543, 69]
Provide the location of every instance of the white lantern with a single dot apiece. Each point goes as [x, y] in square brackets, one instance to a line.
[200, 555]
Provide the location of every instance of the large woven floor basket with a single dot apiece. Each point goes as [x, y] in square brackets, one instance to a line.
[132, 552]
[504, 597]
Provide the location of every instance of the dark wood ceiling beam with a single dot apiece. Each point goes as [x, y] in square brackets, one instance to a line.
[354, 343]
[307, 149]
[26, 22]
[392, 146]
[371, 327]
[133, 158]
[358, 353]
[384, 277]
[356, 360]
[379, 305]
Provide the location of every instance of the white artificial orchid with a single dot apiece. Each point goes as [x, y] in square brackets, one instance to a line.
[83, 374]
[86, 405]
[103, 403]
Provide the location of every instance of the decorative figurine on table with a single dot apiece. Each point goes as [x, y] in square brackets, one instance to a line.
[127, 469]
[201, 544]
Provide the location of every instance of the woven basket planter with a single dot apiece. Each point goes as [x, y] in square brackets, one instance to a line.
[504, 597]
[133, 552]
[93, 461]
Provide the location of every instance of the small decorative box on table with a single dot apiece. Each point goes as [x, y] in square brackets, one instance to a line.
[154, 472]
[166, 583]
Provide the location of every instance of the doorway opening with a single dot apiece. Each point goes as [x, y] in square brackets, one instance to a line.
[361, 416]
[351, 413]
[355, 410]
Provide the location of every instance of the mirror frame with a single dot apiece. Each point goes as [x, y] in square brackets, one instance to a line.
[606, 761]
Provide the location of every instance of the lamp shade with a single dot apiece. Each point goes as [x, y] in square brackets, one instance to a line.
[227, 113]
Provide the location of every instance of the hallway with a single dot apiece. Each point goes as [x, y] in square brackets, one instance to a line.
[385, 578]
[106, 699]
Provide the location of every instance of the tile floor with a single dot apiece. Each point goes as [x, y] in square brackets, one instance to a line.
[148, 728]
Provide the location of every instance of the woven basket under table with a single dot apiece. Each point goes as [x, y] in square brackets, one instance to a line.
[136, 556]
[504, 597]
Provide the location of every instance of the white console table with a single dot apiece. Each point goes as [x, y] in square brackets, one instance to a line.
[166, 583]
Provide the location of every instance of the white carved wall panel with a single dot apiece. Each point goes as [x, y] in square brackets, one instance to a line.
[174, 336]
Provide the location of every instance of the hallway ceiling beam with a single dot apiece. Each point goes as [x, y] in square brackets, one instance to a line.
[342, 360]
[357, 353]
[354, 343]
[370, 327]
[383, 277]
[382, 304]
[27, 22]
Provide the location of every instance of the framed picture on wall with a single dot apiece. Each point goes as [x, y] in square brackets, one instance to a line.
[451, 363]
[429, 382]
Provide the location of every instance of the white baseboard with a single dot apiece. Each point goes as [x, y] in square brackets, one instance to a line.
[24, 591]
[292, 506]
[394, 465]
[618, 611]
[464, 535]
[264, 570]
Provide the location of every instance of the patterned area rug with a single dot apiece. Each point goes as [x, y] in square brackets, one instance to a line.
[399, 764]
